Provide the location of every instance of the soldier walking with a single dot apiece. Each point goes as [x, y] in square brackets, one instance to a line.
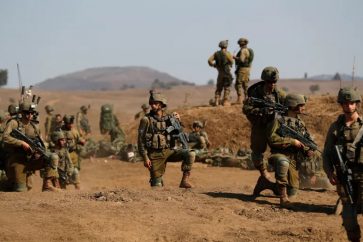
[346, 132]
[222, 60]
[259, 117]
[157, 146]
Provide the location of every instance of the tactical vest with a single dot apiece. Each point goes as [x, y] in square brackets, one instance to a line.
[222, 62]
[157, 136]
[346, 136]
[248, 62]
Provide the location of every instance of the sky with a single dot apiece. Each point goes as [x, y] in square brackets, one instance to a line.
[50, 38]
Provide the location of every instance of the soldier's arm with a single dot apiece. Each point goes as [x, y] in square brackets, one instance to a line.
[229, 58]
[141, 139]
[78, 122]
[244, 55]
[7, 138]
[211, 61]
[274, 139]
[328, 152]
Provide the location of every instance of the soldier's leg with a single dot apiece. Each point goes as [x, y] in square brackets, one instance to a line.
[350, 221]
[50, 177]
[281, 164]
[158, 165]
[219, 89]
[227, 90]
[19, 174]
[238, 86]
[187, 157]
[75, 178]
[245, 78]
[293, 180]
[258, 146]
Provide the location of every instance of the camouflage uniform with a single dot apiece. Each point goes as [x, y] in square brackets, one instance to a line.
[342, 134]
[198, 141]
[65, 165]
[285, 156]
[2, 152]
[82, 123]
[259, 118]
[107, 119]
[21, 165]
[243, 60]
[74, 143]
[223, 61]
[155, 144]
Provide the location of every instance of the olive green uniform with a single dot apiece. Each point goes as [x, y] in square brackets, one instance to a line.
[74, 142]
[82, 123]
[341, 134]
[49, 125]
[243, 67]
[157, 145]
[259, 121]
[65, 166]
[285, 156]
[19, 165]
[223, 61]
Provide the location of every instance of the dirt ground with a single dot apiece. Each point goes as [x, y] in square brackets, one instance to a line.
[117, 204]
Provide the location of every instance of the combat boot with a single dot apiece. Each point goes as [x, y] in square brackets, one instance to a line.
[185, 180]
[284, 200]
[239, 99]
[49, 186]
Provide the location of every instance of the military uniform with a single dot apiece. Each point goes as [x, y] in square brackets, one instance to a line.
[107, 119]
[243, 60]
[157, 145]
[50, 124]
[20, 164]
[82, 123]
[2, 152]
[74, 143]
[342, 134]
[198, 141]
[223, 61]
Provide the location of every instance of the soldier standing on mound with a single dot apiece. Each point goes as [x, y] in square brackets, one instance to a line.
[243, 60]
[259, 117]
[157, 146]
[222, 60]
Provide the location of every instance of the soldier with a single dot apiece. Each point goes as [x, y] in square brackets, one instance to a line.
[222, 60]
[58, 122]
[65, 165]
[49, 122]
[259, 118]
[286, 152]
[243, 60]
[145, 109]
[2, 152]
[82, 123]
[22, 161]
[74, 143]
[156, 144]
[198, 141]
[346, 131]
[107, 119]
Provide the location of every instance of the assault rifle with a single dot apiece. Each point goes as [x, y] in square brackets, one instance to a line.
[276, 107]
[177, 129]
[286, 131]
[36, 145]
[344, 174]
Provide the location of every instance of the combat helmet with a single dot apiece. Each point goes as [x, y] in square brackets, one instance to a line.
[27, 106]
[49, 108]
[242, 41]
[270, 74]
[68, 119]
[293, 100]
[84, 108]
[348, 94]
[145, 106]
[158, 97]
[106, 108]
[223, 44]
[197, 123]
[57, 135]
[13, 109]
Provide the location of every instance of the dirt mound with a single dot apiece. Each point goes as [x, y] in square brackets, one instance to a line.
[229, 127]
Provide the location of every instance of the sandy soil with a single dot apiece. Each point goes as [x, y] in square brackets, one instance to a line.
[116, 204]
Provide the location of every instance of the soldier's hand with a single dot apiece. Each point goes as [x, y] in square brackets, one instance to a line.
[147, 164]
[26, 146]
[298, 144]
[176, 115]
[313, 180]
[310, 153]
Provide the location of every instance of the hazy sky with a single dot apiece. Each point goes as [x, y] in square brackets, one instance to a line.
[48, 37]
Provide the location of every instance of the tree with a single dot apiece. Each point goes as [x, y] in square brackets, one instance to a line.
[3, 77]
[314, 88]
